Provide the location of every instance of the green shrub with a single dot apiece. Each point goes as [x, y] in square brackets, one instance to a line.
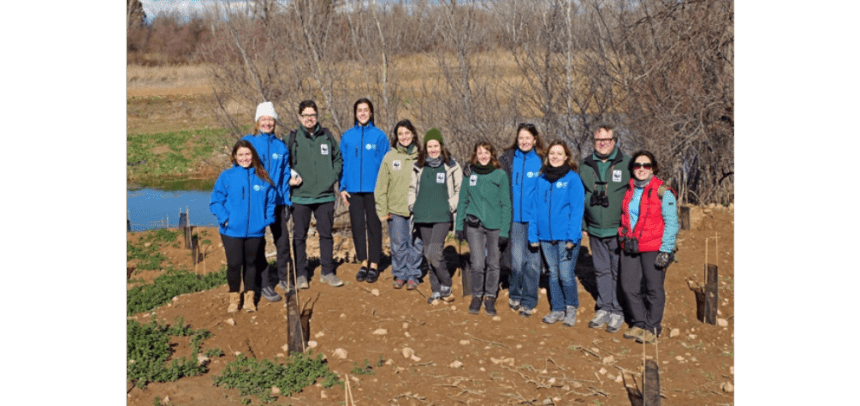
[257, 377]
[170, 284]
[148, 348]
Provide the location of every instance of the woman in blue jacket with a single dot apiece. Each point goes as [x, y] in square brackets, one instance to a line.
[243, 201]
[522, 161]
[362, 148]
[556, 226]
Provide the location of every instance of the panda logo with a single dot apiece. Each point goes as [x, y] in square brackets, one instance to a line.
[396, 165]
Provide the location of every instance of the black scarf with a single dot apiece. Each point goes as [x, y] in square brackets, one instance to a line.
[484, 169]
[553, 174]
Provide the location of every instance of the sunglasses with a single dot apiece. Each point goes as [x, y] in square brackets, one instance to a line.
[637, 165]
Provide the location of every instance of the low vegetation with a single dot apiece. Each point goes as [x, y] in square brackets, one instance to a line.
[148, 349]
[156, 159]
[257, 377]
[172, 283]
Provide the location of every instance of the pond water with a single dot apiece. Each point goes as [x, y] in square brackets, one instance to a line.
[154, 208]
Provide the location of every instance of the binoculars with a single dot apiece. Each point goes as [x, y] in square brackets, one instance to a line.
[598, 198]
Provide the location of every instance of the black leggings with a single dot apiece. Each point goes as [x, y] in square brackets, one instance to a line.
[365, 223]
[242, 252]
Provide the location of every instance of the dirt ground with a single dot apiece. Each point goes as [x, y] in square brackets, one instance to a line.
[505, 359]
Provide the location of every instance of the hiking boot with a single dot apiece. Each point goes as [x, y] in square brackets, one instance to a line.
[331, 279]
[446, 295]
[372, 275]
[235, 298]
[302, 282]
[249, 305]
[633, 333]
[434, 298]
[398, 283]
[646, 337]
[411, 285]
[285, 286]
[526, 312]
[490, 305]
[361, 275]
[615, 323]
[514, 304]
[599, 319]
[554, 316]
[270, 294]
[475, 307]
[569, 316]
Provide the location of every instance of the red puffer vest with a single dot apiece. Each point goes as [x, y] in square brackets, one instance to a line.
[649, 225]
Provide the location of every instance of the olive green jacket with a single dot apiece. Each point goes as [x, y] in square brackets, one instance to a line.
[392, 183]
[602, 221]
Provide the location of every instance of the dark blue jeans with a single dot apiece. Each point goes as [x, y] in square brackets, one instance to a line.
[406, 249]
[525, 267]
[562, 279]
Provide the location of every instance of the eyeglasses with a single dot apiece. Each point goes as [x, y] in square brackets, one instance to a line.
[309, 116]
[607, 140]
[525, 125]
[637, 165]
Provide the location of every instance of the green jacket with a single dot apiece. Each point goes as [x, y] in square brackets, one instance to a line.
[392, 183]
[487, 197]
[318, 162]
[602, 221]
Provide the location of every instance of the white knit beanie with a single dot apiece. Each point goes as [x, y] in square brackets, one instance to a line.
[265, 109]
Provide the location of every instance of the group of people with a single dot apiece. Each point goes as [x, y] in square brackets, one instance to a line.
[531, 205]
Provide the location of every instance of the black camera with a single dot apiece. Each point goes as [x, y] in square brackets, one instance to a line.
[630, 245]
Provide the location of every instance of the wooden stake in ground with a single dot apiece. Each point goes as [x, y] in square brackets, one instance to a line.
[685, 218]
[711, 287]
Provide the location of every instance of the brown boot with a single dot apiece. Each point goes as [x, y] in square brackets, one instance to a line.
[234, 302]
[249, 302]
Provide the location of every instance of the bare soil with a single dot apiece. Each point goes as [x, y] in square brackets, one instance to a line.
[505, 360]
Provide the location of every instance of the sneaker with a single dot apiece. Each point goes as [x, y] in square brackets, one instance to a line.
[331, 279]
[569, 316]
[633, 333]
[514, 304]
[599, 319]
[445, 294]
[490, 305]
[302, 282]
[372, 275]
[475, 306]
[525, 312]
[285, 286]
[361, 275]
[398, 283]
[270, 295]
[554, 316]
[615, 323]
[646, 337]
[434, 298]
[411, 285]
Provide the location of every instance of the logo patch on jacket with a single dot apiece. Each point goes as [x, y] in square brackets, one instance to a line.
[275, 155]
[440, 177]
[395, 165]
[473, 180]
[257, 188]
[561, 185]
[324, 149]
[369, 147]
[616, 175]
[531, 174]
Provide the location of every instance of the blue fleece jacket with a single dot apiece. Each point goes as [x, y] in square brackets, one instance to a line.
[558, 209]
[362, 149]
[276, 159]
[243, 203]
[524, 176]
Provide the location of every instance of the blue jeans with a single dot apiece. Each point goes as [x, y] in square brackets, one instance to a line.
[562, 279]
[525, 267]
[406, 249]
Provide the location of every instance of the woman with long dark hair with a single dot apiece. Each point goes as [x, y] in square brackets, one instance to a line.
[649, 225]
[484, 219]
[243, 201]
[392, 191]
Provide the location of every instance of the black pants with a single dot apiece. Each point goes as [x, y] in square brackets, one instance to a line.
[433, 237]
[365, 222]
[324, 213]
[281, 237]
[242, 253]
[642, 287]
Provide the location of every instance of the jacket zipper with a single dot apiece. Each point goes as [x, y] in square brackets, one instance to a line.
[549, 215]
[361, 162]
[248, 221]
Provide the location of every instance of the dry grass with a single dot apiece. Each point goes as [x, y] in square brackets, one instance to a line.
[187, 80]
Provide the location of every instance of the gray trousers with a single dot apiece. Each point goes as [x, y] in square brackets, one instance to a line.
[642, 284]
[433, 237]
[605, 253]
[484, 245]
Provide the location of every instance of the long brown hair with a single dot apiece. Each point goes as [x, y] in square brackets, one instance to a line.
[255, 160]
[407, 125]
[489, 147]
[532, 129]
[563, 144]
[422, 155]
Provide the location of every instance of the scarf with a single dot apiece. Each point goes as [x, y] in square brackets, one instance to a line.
[484, 169]
[407, 148]
[553, 174]
[642, 183]
[603, 157]
[433, 162]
